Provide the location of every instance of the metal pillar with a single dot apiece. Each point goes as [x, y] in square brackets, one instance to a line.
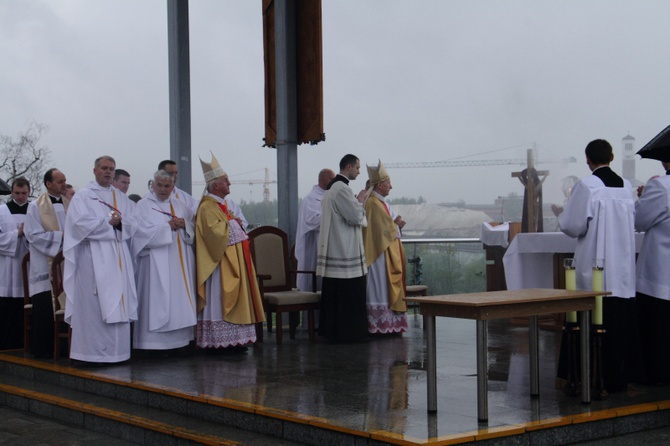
[287, 121]
[431, 362]
[533, 355]
[180, 90]
[585, 344]
[482, 371]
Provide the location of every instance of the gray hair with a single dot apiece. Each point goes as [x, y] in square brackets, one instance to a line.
[163, 175]
[104, 157]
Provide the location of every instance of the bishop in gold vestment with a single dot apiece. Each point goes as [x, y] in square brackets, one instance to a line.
[385, 258]
[229, 301]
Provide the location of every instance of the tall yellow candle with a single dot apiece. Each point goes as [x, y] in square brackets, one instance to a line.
[570, 284]
[597, 285]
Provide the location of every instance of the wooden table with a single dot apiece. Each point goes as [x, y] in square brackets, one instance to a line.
[502, 305]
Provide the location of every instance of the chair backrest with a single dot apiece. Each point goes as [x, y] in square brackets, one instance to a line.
[25, 269]
[57, 279]
[269, 249]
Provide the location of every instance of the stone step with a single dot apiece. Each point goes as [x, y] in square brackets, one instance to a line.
[132, 414]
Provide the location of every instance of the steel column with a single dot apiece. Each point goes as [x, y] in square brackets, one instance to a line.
[482, 370]
[431, 362]
[534, 356]
[287, 116]
[180, 90]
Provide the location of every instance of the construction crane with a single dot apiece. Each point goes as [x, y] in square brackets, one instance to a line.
[469, 163]
[266, 181]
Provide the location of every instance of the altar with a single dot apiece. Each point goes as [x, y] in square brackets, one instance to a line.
[535, 260]
[529, 260]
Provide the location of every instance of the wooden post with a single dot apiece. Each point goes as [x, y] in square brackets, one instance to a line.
[531, 207]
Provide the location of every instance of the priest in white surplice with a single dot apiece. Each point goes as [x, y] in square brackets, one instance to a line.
[163, 245]
[98, 277]
[13, 246]
[600, 214]
[45, 221]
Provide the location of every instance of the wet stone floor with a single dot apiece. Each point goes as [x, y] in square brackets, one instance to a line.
[381, 385]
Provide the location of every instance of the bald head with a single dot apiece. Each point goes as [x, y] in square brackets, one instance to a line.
[325, 177]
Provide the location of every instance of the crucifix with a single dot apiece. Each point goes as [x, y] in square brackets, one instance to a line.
[530, 178]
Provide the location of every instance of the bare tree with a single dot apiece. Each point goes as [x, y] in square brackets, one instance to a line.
[24, 156]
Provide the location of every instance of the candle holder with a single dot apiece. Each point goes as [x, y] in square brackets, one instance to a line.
[570, 284]
[598, 391]
[573, 375]
[571, 335]
[597, 284]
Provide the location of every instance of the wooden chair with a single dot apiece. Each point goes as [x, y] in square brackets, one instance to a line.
[270, 253]
[295, 271]
[294, 279]
[27, 302]
[59, 298]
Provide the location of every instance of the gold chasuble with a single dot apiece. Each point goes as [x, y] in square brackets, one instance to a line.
[240, 296]
[380, 236]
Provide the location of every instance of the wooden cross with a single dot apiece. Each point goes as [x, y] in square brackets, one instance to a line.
[532, 190]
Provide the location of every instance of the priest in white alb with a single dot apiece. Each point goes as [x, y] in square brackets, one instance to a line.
[98, 274]
[163, 245]
[307, 237]
[307, 231]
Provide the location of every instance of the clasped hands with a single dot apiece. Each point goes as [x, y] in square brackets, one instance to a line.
[362, 196]
[114, 219]
[177, 223]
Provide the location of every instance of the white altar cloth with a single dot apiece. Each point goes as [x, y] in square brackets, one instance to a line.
[529, 260]
[494, 235]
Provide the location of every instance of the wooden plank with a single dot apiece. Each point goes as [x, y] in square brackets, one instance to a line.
[504, 297]
[518, 309]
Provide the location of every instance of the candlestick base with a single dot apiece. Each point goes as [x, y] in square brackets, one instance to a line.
[573, 381]
[598, 391]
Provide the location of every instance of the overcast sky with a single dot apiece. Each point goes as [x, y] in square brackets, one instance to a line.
[404, 81]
